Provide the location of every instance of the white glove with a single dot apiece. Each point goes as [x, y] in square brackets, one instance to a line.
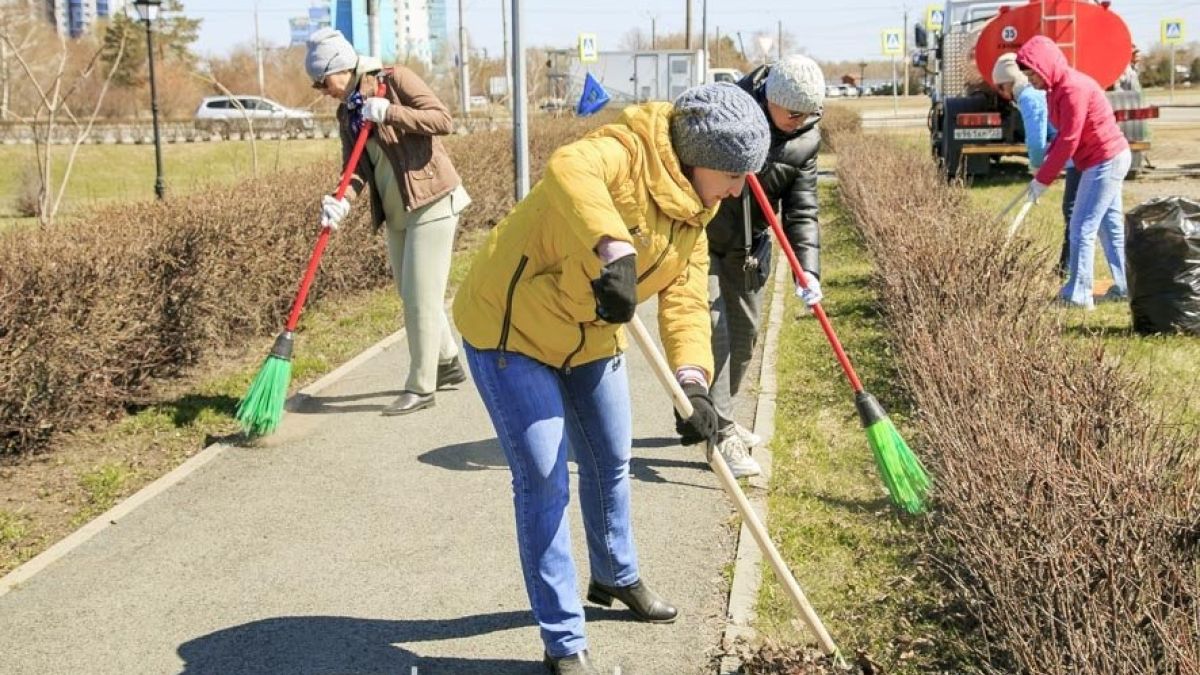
[811, 295]
[333, 211]
[1036, 189]
[375, 109]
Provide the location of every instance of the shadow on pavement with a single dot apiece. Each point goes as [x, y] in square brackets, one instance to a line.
[323, 645]
[324, 405]
[486, 455]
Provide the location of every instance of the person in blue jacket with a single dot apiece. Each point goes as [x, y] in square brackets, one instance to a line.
[1035, 116]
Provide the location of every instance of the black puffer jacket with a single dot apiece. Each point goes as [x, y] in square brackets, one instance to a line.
[790, 181]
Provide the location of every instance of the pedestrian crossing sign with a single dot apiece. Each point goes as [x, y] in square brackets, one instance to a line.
[935, 18]
[588, 53]
[1172, 31]
[891, 43]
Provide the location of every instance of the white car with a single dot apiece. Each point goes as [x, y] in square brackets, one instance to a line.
[223, 114]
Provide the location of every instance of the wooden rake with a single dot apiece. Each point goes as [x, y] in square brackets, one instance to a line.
[663, 372]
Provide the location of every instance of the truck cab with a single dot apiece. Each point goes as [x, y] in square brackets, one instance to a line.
[970, 125]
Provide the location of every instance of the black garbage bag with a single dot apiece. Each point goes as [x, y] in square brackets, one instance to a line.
[1162, 251]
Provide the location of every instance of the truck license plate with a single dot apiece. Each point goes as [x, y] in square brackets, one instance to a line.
[988, 134]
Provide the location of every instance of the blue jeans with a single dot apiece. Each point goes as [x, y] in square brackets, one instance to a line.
[536, 409]
[1098, 208]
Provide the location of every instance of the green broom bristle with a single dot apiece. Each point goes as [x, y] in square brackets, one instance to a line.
[902, 472]
[262, 408]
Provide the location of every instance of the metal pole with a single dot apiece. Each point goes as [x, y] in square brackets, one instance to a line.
[687, 31]
[704, 40]
[653, 33]
[373, 27]
[508, 70]
[895, 101]
[1171, 98]
[262, 89]
[464, 74]
[520, 114]
[779, 38]
[159, 187]
[904, 48]
[717, 50]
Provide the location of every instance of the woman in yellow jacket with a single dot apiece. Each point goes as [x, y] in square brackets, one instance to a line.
[618, 216]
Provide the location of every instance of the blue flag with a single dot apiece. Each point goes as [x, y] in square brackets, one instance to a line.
[593, 98]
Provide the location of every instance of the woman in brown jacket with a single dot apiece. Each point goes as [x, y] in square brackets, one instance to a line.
[415, 193]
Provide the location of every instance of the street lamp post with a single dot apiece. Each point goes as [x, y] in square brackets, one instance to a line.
[148, 11]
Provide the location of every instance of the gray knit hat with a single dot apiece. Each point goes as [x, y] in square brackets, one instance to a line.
[796, 82]
[720, 127]
[328, 52]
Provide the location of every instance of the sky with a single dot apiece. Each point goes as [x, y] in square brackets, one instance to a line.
[827, 30]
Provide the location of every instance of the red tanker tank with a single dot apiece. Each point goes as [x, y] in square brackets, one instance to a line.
[1095, 40]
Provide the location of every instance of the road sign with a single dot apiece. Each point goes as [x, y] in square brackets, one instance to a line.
[588, 52]
[935, 17]
[892, 44]
[1172, 31]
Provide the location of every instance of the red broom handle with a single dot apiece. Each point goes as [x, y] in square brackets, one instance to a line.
[315, 259]
[798, 274]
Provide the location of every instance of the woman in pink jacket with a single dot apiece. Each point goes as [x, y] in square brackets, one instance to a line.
[1087, 134]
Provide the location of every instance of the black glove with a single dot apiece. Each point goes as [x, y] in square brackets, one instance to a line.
[616, 290]
[702, 425]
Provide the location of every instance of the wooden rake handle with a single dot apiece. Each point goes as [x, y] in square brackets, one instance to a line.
[663, 372]
[1016, 223]
[1021, 195]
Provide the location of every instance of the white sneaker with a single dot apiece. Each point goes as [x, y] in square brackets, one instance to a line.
[738, 458]
[749, 438]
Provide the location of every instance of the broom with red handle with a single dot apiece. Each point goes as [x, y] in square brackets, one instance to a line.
[261, 410]
[899, 468]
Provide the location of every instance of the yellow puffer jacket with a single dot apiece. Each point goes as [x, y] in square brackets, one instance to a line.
[529, 288]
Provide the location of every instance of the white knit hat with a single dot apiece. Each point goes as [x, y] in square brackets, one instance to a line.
[796, 83]
[1006, 70]
[328, 52]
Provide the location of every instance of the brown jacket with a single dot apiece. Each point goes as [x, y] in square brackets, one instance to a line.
[409, 138]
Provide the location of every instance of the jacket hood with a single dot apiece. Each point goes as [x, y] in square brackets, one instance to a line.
[645, 130]
[1044, 57]
[756, 85]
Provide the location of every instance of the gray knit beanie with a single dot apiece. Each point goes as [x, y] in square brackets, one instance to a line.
[328, 52]
[720, 127]
[796, 83]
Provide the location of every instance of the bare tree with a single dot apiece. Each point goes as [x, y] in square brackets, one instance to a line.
[15, 20]
[53, 105]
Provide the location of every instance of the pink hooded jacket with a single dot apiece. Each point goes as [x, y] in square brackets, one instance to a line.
[1087, 130]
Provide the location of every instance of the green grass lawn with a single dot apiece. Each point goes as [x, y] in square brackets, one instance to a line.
[1170, 361]
[111, 173]
[855, 556]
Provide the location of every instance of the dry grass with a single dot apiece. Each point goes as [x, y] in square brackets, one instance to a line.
[1068, 517]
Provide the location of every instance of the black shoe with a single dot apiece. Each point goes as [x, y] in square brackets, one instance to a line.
[643, 602]
[579, 663]
[450, 373]
[408, 402]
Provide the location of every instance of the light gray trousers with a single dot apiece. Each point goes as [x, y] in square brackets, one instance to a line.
[420, 248]
[736, 312]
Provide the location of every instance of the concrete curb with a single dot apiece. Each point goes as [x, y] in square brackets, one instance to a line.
[112, 516]
[747, 568]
